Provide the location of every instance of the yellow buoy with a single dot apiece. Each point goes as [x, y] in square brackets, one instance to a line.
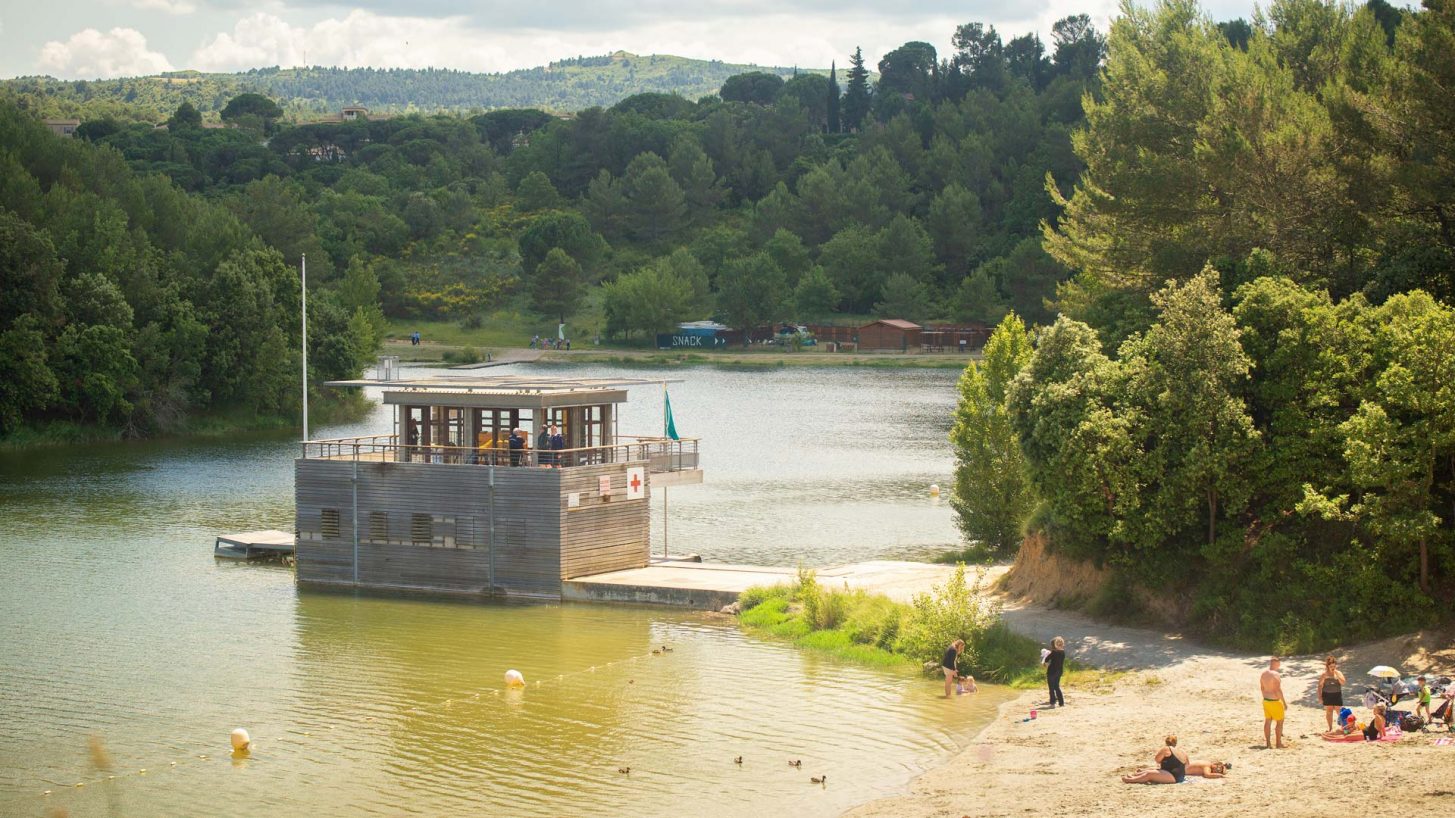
[514, 678]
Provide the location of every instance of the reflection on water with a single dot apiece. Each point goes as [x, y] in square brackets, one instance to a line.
[117, 623]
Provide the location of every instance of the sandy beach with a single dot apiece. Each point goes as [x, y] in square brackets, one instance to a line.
[1068, 761]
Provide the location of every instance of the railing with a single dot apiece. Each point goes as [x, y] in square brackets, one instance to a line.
[661, 454]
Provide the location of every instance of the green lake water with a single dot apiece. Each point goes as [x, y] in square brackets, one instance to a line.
[119, 626]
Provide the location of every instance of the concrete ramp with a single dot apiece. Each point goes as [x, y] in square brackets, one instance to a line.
[709, 586]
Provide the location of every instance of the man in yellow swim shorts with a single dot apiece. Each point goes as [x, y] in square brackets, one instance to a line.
[1274, 705]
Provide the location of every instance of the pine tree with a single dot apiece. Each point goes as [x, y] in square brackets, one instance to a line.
[557, 287]
[856, 93]
[833, 98]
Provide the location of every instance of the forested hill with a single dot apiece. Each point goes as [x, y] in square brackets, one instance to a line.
[568, 85]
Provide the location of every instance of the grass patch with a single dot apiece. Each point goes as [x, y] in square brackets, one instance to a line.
[873, 629]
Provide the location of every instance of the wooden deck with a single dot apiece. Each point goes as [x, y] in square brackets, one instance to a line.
[710, 586]
[249, 545]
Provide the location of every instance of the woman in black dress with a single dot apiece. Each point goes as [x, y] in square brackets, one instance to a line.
[1331, 690]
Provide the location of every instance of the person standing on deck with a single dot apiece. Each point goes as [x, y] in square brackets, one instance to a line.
[1274, 705]
[558, 444]
[543, 446]
[1055, 666]
[517, 446]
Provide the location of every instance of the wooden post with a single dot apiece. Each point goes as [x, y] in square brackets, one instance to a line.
[304, 273]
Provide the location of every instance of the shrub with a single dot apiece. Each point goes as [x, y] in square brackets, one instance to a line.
[758, 594]
[955, 610]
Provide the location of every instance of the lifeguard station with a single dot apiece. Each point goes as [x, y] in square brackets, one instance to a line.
[442, 504]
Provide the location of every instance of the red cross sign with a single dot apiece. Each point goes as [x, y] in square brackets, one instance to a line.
[636, 483]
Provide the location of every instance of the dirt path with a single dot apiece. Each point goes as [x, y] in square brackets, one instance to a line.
[1067, 762]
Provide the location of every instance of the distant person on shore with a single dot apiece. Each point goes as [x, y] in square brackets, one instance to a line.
[1331, 690]
[1274, 705]
[1055, 662]
[517, 445]
[1423, 708]
[1171, 766]
[950, 664]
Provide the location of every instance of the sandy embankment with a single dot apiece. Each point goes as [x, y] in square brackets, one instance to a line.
[1067, 762]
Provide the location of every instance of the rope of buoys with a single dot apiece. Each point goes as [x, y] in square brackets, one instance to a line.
[241, 742]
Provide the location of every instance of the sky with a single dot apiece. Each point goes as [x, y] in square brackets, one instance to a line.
[90, 39]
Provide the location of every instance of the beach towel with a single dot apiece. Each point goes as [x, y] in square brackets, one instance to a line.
[1444, 742]
[1358, 738]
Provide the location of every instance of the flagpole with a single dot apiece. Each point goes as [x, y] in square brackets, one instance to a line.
[304, 288]
[664, 488]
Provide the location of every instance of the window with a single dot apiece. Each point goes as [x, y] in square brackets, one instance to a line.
[379, 526]
[421, 529]
[328, 524]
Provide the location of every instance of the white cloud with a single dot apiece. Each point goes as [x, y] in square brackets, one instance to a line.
[90, 54]
[168, 6]
[364, 38]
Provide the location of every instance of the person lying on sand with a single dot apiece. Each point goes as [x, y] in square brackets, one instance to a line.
[1171, 767]
[1209, 769]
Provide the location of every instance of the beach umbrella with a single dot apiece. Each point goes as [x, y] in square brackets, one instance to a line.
[1384, 672]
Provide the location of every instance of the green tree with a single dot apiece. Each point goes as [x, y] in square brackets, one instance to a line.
[252, 111]
[834, 123]
[976, 299]
[955, 225]
[852, 260]
[751, 293]
[27, 385]
[567, 230]
[649, 300]
[905, 247]
[787, 251]
[186, 117]
[857, 99]
[606, 206]
[685, 267]
[535, 193]
[757, 87]
[993, 496]
[556, 287]
[656, 206]
[815, 295]
[692, 170]
[904, 297]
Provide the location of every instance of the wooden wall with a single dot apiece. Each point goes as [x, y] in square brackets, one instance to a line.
[427, 526]
[602, 535]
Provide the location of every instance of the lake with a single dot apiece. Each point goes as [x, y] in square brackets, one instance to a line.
[120, 626]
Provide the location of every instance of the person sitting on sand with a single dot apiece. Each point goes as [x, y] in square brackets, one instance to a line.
[1274, 705]
[1209, 769]
[1171, 767]
[950, 664]
[1376, 727]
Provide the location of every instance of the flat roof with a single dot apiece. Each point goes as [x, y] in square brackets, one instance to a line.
[506, 384]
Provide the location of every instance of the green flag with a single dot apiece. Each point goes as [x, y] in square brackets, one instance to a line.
[669, 426]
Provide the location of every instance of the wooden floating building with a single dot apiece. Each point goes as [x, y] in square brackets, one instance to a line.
[442, 504]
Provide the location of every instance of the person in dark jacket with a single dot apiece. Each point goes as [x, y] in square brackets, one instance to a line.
[950, 664]
[1055, 665]
[517, 445]
[558, 444]
[543, 446]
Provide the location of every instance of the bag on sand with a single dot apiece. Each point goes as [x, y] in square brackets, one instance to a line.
[1411, 723]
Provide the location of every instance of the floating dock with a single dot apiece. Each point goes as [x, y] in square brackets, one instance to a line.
[710, 586]
[254, 545]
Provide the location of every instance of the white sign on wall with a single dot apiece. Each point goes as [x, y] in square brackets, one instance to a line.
[636, 483]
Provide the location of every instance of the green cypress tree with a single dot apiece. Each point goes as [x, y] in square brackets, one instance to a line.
[834, 125]
[856, 93]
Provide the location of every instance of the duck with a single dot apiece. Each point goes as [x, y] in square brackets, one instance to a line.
[796, 763]
[656, 652]
[738, 760]
[624, 770]
[666, 649]
[820, 779]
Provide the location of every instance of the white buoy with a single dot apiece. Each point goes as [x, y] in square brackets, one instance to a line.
[514, 678]
[241, 740]
[934, 489]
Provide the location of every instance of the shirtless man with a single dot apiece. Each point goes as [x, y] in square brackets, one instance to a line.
[1274, 705]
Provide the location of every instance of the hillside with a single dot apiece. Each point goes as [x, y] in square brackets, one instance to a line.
[568, 85]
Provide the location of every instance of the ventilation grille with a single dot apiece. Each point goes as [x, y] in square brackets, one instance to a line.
[328, 524]
[379, 526]
[421, 529]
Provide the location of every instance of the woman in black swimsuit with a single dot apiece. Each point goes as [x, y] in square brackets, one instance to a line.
[1331, 690]
[1171, 767]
